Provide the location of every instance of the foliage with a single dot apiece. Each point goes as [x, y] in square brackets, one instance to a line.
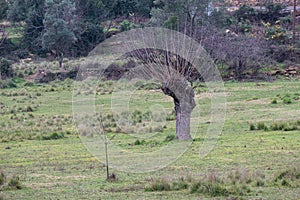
[161, 185]
[6, 70]
[14, 183]
[41, 22]
[276, 126]
[89, 35]
[143, 7]
[2, 179]
[288, 178]
[244, 55]
[169, 138]
[172, 23]
[3, 9]
[53, 136]
[220, 18]
[274, 101]
[245, 12]
[32, 13]
[275, 33]
[124, 8]
[180, 14]
[287, 100]
[272, 13]
[212, 189]
[18, 10]
[126, 25]
[59, 25]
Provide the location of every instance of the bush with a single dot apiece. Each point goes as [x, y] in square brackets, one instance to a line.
[7, 84]
[252, 127]
[3, 9]
[53, 136]
[138, 142]
[160, 185]
[171, 116]
[288, 178]
[126, 25]
[28, 84]
[2, 179]
[169, 138]
[5, 69]
[261, 126]
[260, 183]
[181, 185]
[274, 101]
[28, 109]
[212, 189]
[14, 183]
[287, 100]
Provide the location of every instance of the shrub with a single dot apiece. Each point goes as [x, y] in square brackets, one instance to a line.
[212, 189]
[2, 178]
[252, 127]
[287, 100]
[28, 84]
[138, 142]
[14, 183]
[260, 183]
[11, 84]
[160, 185]
[181, 185]
[261, 126]
[169, 138]
[171, 116]
[285, 183]
[7, 84]
[275, 127]
[274, 101]
[29, 109]
[53, 136]
[126, 25]
[5, 69]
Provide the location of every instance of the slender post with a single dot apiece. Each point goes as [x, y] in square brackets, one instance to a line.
[106, 155]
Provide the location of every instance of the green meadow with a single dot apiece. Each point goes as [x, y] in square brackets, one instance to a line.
[257, 155]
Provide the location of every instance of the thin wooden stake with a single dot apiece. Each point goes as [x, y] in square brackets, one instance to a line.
[106, 155]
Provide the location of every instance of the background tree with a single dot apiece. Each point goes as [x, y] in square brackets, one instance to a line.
[180, 14]
[59, 23]
[239, 54]
[32, 13]
[144, 7]
[3, 9]
[6, 70]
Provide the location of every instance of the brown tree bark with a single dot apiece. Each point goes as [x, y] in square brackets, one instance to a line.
[183, 96]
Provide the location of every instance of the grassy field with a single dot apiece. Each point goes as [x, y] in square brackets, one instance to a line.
[256, 157]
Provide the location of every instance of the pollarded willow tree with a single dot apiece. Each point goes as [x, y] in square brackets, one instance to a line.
[170, 58]
[176, 75]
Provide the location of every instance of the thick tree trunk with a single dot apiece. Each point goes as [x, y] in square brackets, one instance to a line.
[183, 117]
[183, 96]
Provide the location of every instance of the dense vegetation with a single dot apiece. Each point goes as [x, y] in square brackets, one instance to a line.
[244, 43]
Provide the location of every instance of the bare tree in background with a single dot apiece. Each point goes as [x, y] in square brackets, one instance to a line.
[241, 53]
